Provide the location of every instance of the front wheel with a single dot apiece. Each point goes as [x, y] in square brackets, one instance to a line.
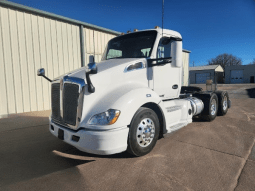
[143, 132]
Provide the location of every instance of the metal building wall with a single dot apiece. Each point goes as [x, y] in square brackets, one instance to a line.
[95, 42]
[30, 41]
[248, 71]
[193, 74]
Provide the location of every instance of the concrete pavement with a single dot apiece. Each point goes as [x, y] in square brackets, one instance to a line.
[218, 155]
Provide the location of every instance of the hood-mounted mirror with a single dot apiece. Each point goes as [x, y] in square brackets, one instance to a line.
[41, 72]
[91, 69]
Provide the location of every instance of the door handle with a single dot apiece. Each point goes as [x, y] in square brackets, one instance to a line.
[175, 86]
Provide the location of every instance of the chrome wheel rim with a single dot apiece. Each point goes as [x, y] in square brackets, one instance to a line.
[213, 107]
[225, 103]
[145, 132]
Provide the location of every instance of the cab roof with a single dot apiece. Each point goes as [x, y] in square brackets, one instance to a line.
[165, 31]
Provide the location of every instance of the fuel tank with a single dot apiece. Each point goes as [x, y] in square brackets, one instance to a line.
[197, 105]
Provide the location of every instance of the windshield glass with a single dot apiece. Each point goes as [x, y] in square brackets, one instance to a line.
[134, 45]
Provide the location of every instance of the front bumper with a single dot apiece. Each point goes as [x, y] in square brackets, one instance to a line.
[96, 142]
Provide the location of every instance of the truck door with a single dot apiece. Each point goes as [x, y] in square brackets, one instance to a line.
[166, 78]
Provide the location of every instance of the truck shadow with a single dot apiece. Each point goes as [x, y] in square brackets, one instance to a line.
[251, 92]
[76, 152]
[27, 151]
[198, 119]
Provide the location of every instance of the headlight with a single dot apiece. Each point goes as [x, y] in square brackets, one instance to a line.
[106, 118]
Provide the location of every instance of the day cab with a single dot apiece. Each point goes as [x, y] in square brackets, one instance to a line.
[131, 98]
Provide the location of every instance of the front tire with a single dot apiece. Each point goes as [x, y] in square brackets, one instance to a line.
[143, 132]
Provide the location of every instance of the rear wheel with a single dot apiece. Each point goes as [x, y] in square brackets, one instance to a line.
[212, 107]
[223, 103]
[143, 132]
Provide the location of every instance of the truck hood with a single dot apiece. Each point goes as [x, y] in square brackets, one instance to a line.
[111, 66]
[111, 83]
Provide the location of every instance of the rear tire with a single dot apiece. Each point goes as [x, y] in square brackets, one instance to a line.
[143, 132]
[212, 107]
[223, 103]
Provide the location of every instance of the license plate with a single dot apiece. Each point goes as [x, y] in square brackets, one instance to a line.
[61, 134]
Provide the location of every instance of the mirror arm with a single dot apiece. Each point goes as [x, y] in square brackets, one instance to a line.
[47, 78]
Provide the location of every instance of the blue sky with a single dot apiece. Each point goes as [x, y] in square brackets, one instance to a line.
[208, 28]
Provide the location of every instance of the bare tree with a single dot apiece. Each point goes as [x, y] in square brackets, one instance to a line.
[225, 60]
[253, 62]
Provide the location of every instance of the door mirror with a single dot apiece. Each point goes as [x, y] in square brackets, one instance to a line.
[176, 53]
[41, 72]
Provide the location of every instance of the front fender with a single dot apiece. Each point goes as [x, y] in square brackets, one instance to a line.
[128, 104]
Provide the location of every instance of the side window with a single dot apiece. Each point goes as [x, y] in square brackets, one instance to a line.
[114, 53]
[164, 48]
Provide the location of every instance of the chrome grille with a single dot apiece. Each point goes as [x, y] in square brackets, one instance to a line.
[67, 103]
[70, 103]
[55, 101]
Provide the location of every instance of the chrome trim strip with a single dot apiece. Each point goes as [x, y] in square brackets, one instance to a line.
[173, 108]
[61, 97]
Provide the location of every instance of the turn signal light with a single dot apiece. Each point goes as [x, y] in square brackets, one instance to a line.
[115, 118]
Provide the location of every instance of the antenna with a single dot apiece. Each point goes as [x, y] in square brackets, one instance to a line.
[162, 16]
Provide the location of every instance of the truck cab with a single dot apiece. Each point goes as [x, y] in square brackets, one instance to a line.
[130, 98]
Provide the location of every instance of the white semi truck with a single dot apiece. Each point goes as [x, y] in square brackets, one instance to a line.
[131, 98]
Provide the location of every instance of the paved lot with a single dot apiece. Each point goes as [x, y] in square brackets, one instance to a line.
[219, 155]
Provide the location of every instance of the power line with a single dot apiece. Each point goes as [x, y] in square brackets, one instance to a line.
[162, 16]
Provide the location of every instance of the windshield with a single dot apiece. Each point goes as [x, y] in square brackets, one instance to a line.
[134, 45]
